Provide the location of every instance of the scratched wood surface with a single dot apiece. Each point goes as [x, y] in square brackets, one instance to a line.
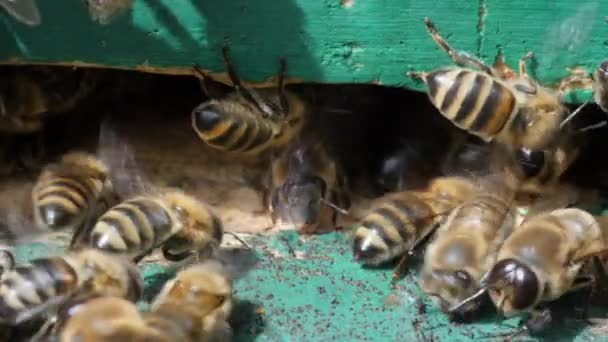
[331, 41]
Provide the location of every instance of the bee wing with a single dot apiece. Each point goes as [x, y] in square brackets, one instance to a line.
[26, 11]
[117, 153]
[566, 36]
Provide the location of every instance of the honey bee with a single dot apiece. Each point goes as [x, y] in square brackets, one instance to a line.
[105, 11]
[465, 245]
[28, 95]
[106, 318]
[178, 223]
[306, 181]
[195, 304]
[401, 220]
[540, 261]
[27, 291]
[26, 11]
[514, 110]
[72, 193]
[245, 120]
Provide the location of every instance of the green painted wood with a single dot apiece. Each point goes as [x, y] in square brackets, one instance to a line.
[320, 294]
[328, 41]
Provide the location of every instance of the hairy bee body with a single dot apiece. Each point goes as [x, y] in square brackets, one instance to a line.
[235, 124]
[541, 259]
[71, 193]
[108, 319]
[244, 120]
[175, 221]
[302, 177]
[465, 246]
[400, 220]
[492, 103]
[196, 304]
[29, 290]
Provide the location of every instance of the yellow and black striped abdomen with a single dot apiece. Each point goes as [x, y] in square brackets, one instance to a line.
[133, 227]
[473, 101]
[63, 202]
[391, 229]
[27, 288]
[233, 127]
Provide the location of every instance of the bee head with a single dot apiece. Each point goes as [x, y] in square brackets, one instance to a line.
[300, 199]
[513, 286]
[448, 288]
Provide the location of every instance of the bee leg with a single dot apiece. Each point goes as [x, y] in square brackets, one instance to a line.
[537, 321]
[459, 58]
[245, 92]
[522, 64]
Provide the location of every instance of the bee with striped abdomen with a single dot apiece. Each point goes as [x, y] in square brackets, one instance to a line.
[178, 223]
[492, 104]
[39, 287]
[465, 246]
[401, 220]
[540, 261]
[195, 304]
[247, 121]
[308, 187]
[72, 193]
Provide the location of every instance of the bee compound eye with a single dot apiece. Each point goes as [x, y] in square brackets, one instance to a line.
[520, 278]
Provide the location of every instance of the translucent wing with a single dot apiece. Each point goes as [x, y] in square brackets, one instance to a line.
[120, 157]
[565, 36]
[26, 11]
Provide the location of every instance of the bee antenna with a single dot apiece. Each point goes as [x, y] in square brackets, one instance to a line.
[334, 206]
[468, 300]
[594, 126]
[574, 113]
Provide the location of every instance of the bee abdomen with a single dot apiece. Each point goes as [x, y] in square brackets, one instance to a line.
[26, 287]
[231, 132]
[62, 202]
[472, 100]
[136, 226]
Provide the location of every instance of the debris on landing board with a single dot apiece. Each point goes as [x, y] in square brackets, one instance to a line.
[294, 288]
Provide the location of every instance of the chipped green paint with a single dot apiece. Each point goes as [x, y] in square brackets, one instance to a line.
[332, 41]
[322, 295]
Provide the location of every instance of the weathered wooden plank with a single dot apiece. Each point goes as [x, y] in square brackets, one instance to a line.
[333, 41]
[329, 41]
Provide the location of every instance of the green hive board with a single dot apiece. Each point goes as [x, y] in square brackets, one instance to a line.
[327, 40]
[313, 291]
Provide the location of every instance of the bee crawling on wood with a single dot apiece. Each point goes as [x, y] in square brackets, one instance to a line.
[465, 245]
[179, 224]
[245, 120]
[400, 221]
[541, 261]
[491, 103]
[308, 186]
[39, 287]
[72, 193]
